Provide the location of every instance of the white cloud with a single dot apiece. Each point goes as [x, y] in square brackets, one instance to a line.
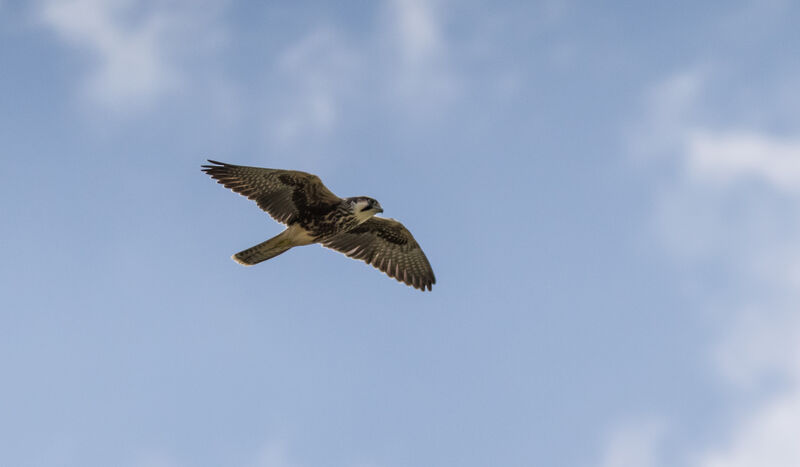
[130, 65]
[729, 201]
[763, 339]
[422, 78]
[730, 156]
[768, 437]
[760, 344]
[634, 444]
[134, 45]
[405, 63]
[317, 73]
[701, 210]
[748, 231]
[671, 110]
[417, 28]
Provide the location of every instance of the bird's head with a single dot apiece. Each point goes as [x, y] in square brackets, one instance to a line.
[364, 207]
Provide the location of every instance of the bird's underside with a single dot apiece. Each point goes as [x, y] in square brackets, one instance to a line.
[313, 214]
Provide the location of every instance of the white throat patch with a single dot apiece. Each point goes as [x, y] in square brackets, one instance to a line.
[360, 214]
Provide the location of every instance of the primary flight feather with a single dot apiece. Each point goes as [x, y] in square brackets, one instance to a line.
[313, 214]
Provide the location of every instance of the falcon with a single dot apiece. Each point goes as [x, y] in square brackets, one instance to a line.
[313, 214]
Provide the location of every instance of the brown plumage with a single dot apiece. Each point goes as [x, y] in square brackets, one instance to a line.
[313, 214]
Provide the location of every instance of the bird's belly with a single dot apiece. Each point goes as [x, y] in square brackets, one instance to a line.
[299, 236]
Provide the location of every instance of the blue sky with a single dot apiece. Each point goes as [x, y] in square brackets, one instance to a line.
[608, 195]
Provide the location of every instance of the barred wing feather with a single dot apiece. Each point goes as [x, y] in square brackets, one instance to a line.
[388, 246]
[286, 195]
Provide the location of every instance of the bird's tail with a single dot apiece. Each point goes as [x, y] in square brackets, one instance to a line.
[264, 250]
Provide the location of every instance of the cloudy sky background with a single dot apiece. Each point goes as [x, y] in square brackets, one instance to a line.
[609, 195]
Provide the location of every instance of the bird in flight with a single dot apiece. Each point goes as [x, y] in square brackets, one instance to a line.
[313, 214]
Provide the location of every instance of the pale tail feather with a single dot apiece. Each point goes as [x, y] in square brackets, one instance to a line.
[264, 250]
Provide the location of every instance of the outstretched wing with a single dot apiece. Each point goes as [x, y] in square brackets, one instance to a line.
[387, 245]
[286, 195]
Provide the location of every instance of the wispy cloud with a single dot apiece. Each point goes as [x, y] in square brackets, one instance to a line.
[633, 444]
[671, 112]
[134, 46]
[768, 436]
[316, 74]
[130, 65]
[418, 31]
[422, 74]
[734, 204]
[730, 156]
[729, 202]
[404, 63]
